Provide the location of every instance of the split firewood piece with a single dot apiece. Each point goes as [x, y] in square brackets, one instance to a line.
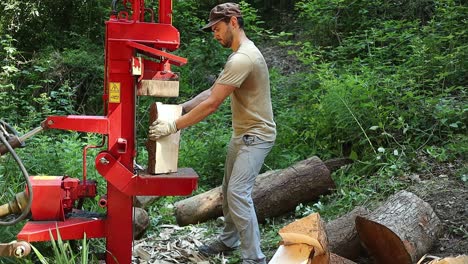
[292, 254]
[300, 254]
[462, 259]
[274, 193]
[158, 88]
[399, 231]
[342, 235]
[163, 154]
[303, 241]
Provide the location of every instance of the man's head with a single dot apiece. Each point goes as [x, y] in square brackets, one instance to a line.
[223, 13]
[225, 22]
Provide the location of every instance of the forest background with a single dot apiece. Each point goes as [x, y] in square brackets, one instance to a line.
[383, 82]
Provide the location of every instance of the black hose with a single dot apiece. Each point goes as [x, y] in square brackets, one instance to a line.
[114, 7]
[26, 210]
[12, 129]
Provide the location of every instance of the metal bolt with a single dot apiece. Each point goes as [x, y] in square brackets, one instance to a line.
[50, 122]
[19, 251]
[104, 161]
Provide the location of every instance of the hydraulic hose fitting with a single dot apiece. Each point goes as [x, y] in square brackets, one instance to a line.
[15, 206]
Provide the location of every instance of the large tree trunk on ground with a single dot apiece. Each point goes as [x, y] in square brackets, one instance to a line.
[274, 193]
[336, 259]
[401, 230]
[342, 235]
[335, 164]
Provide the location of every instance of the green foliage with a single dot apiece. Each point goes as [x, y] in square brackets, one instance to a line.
[54, 83]
[385, 83]
[57, 23]
[64, 253]
[329, 22]
[390, 87]
[254, 26]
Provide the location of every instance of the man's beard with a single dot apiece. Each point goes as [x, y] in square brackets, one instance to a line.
[227, 40]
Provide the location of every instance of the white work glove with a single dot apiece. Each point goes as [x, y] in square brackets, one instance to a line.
[161, 128]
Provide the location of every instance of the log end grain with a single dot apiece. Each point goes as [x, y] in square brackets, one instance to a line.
[382, 243]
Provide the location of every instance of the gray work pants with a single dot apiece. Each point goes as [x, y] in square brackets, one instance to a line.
[244, 160]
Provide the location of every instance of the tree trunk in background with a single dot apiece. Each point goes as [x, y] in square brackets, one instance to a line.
[342, 235]
[401, 230]
[274, 193]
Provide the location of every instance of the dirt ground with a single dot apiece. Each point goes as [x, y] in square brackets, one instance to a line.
[448, 196]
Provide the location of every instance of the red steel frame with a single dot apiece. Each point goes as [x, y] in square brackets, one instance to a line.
[125, 37]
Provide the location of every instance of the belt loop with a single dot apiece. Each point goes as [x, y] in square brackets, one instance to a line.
[248, 139]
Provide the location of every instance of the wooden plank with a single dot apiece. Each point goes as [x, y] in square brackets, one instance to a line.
[158, 88]
[163, 154]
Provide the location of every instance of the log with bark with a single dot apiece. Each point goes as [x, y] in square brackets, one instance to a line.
[336, 259]
[401, 230]
[140, 222]
[342, 235]
[275, 193]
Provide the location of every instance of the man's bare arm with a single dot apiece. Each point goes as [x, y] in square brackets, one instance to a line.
[218, 93]
[192, 103]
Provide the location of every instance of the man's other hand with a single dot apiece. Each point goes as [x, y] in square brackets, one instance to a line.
[161, 128]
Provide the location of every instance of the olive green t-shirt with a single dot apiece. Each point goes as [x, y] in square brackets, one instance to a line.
[251, 108]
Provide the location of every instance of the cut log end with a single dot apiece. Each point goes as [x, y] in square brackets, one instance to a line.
[401, 230]
[378, 239]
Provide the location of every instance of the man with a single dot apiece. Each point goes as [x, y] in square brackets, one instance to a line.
[245, 79]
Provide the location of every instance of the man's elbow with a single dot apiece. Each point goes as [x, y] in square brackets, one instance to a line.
[213, 107]
[212, 104]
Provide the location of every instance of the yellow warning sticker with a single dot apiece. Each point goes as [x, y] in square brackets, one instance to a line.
[114, 92]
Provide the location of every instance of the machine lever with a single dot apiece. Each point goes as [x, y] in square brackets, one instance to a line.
[14, 141]
[31, 133]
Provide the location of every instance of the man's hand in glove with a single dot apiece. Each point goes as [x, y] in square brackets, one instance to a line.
[161, 128]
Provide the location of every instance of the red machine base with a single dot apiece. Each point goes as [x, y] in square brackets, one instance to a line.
[70, 229]
[184, 182]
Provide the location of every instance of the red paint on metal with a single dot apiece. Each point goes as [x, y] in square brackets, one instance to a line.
[47, 191]
[165, 11]
[90, 124]
[55, 196]
[72, 228]
[181, 183]
[174, 59]
[125, 36]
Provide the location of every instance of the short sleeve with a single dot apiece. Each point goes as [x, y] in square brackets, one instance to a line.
[237, 69]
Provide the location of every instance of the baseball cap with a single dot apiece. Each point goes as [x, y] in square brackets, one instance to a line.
[220, 12]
